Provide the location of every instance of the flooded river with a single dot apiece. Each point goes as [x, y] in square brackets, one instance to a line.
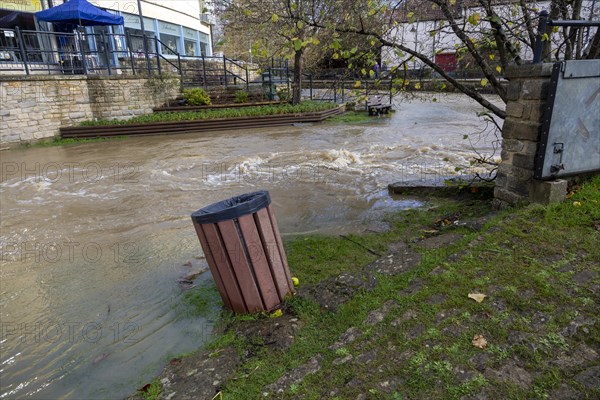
[95, 236]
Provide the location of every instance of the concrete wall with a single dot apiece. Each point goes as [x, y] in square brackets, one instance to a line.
[527, 94]
[35, 107]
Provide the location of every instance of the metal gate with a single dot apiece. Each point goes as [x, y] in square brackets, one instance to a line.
[570, 137]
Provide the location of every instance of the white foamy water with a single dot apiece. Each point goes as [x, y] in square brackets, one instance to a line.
[95, 236]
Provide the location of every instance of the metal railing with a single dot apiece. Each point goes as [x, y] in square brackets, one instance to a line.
[32, 52]
[543, 23]
[341, 87]
[82, 53]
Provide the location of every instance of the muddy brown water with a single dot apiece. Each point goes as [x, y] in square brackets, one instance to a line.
[95, 236]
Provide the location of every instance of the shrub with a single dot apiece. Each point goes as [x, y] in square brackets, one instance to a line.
[241, 96]
[284, 94]
[196, 97]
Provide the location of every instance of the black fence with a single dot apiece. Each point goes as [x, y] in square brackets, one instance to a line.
[83, 53]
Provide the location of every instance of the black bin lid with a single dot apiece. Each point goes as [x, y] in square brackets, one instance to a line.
[232, 208]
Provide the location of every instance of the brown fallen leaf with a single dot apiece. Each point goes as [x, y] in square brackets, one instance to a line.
[478, 297]
[479, 341]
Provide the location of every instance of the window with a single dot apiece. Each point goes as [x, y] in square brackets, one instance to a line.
[169, 45]
[137, 44]
[190, 47]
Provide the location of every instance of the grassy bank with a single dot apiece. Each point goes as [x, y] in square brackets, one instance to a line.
[407, 328]
[528, 262]
[255, 111]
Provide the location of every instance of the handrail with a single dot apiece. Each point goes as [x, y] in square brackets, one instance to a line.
[544, 22]
[30, 51]
[234, 62]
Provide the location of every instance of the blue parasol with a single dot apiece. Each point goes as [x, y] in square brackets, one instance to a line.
[79, 12]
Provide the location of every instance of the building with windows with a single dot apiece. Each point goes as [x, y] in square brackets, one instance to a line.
[421, 26]
[180, 25]
[176, 28]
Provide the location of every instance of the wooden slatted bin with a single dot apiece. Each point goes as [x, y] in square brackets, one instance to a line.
[244, 251]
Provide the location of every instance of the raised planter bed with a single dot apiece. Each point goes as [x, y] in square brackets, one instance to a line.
[213, 106]
[163, 128]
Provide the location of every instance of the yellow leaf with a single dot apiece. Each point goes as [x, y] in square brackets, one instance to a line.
[492, 56]
[274, 17]
[410, 14]
[498, 69]
[295, 281]
[577, 204]
[417, 86]
[357, 84]
[474, 19]
[484, 82]
[479, 341]
[478, 297]
[276, 314]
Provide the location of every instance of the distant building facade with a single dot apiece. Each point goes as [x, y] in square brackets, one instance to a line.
[422, 27]
[182, 26]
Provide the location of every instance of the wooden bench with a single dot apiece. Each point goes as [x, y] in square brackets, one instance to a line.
[376, 107]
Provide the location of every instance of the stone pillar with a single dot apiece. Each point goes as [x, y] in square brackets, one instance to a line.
[527, 93]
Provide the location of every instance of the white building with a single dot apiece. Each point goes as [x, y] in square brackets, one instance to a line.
[181, 26]
[423, 28]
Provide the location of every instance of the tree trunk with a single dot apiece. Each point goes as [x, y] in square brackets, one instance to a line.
[297, 84]
[594, 47]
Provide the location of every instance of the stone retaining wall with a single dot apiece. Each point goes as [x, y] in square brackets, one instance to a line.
[35, 107]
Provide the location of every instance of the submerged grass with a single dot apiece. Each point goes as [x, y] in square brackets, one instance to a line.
[524, 260]
[351, 117]
[254, 111]
[58, 141]
[203, 299]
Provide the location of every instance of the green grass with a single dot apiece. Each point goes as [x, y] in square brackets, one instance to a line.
[203, 299]
[253, 111]
[152, 391]
[58, 141]
[518, 260]
[351, 117]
